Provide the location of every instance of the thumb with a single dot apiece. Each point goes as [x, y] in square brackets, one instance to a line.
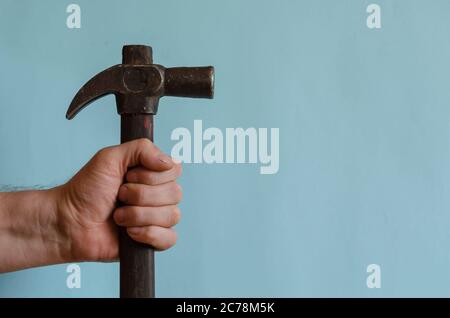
[141, 152]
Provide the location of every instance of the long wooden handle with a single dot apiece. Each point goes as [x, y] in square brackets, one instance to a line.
[137, 262]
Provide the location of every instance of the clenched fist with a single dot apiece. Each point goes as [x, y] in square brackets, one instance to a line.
[78, 221]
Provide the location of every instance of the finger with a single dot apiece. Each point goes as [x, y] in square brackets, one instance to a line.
[149, 177]
[160, 238]
[140, 152]
[164, 216]
[144, 195]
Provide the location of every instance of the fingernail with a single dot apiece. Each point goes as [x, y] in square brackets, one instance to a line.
[134, 230]
[123, 193]
[119, 216]
[131, 176]
[164, 158]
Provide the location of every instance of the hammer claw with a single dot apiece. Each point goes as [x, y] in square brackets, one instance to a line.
[102, 84]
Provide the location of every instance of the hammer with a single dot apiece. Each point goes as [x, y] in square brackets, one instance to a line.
[138, 84]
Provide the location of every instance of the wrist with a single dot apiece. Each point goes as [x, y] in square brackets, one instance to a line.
[57, 236]
[30, 231]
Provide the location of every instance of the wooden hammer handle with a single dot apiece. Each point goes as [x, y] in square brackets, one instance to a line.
[137, 262]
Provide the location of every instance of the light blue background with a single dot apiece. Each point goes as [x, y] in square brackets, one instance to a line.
[364, 118]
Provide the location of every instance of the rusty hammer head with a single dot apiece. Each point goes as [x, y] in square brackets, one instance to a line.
[138, 84]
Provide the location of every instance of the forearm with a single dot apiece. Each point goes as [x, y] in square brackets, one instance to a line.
[30, 233]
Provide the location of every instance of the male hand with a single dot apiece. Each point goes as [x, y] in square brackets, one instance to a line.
[87, 211]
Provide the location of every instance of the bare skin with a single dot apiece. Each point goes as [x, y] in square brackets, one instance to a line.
[78, 221]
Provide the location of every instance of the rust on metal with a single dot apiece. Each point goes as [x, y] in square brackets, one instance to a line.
[138, 87]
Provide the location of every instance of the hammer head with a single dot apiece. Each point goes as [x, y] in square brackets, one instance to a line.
[138, 84]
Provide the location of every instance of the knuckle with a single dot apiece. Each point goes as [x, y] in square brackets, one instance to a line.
[106, 156]
[177, 215]
[131, 175]
[133, 215]
[144, 142]
[179, 170]
[149, 178]
[174, 216]
[139, 194]
[175, 191]
[119, 216]
[178, 192]
[103, 152]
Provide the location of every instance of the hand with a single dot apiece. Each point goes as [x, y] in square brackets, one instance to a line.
[87, 211]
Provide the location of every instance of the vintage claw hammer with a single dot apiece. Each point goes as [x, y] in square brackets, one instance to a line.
[138, 84]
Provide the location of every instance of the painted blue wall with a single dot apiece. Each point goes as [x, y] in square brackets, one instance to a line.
[364, 118]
